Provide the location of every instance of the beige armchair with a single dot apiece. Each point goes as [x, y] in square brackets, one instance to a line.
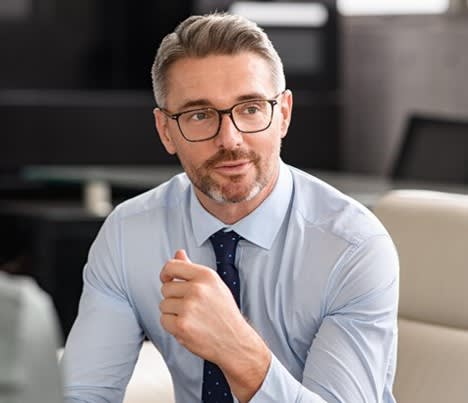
[430, 230]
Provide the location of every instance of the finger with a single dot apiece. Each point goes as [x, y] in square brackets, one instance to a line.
[179, 269]
[176, 269]
[171, 324]
[171, 306]
[174, 289]
[168, 322]
[181, 254]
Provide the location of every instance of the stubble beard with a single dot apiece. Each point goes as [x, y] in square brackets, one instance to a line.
[227, 193]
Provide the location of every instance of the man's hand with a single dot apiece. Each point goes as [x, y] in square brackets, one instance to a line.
[199, 310]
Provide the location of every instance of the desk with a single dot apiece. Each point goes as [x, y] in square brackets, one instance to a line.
[98, 181]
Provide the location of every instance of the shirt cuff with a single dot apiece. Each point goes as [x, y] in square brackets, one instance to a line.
[280, 386]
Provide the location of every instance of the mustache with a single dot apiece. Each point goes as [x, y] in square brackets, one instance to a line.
[224, 155]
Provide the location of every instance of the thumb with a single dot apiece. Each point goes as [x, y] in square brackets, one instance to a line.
[181, 255]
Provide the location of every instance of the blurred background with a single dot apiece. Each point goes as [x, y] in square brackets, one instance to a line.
[380, 94]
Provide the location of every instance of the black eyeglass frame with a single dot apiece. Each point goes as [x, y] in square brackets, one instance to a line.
[175, 116]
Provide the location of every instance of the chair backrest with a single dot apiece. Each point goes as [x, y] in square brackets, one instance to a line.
[433, 149]
[28, 340]
[430, 231]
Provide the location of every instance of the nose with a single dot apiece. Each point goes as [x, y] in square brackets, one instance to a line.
[228, 137]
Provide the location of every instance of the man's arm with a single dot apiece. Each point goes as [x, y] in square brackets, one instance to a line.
[351, 353]
[103, 345]
[351, 356]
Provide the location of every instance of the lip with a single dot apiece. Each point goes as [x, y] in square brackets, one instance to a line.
[233, 167]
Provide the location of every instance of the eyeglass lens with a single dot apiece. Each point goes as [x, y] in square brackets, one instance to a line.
[250, 116]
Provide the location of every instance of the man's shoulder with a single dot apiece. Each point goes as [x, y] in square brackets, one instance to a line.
[168, 195]
[324, 207]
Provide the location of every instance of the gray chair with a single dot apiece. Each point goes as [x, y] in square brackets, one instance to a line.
[430, 231]
[28, 340]
[435, 149]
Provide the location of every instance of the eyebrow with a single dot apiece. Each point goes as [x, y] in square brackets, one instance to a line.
[203, 102]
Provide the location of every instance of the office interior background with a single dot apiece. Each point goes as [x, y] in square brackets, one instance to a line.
[75, 91]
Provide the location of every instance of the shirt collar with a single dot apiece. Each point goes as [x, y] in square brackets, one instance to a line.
[270, 214]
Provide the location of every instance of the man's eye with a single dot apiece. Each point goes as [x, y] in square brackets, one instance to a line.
[199, 116]
[251, 110]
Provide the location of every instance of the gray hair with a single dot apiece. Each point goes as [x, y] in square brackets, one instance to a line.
[213, 34]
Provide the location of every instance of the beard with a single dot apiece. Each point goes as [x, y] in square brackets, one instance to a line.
[233, 191]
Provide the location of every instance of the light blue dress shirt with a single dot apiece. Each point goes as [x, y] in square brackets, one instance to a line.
[319, 283]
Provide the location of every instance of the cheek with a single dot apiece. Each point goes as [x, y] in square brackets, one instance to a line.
[190, 155]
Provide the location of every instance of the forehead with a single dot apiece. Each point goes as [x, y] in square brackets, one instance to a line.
[219, 79]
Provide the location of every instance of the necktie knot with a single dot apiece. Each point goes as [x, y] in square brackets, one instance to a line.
[224, 245]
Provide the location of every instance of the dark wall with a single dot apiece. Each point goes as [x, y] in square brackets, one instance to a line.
[85, 44]
[110, 45]
[394, 67]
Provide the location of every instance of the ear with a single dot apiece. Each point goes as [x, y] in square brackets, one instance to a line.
[286, 105]
[162, 121]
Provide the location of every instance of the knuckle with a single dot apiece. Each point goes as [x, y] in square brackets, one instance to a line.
[182, 326]
[189, 306]
[209, 275]
[165, 288]
[198, 289]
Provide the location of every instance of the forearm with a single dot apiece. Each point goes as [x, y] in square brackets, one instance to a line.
[255, 375]
[246, 367]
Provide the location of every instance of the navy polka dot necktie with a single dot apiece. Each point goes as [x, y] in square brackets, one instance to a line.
[215, 387]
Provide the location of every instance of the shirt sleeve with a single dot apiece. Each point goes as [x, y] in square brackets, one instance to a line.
[103, 345]
[354, 350]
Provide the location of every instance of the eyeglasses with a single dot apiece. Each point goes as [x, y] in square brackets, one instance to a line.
[203, 124]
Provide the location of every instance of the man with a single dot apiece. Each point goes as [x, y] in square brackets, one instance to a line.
[303, 306]
[28, 343]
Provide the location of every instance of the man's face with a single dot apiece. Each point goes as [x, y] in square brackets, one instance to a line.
[233, 167]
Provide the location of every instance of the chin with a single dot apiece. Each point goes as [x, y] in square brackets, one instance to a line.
[224, 196]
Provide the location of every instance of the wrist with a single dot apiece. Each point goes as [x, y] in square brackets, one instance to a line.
[246, 369]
